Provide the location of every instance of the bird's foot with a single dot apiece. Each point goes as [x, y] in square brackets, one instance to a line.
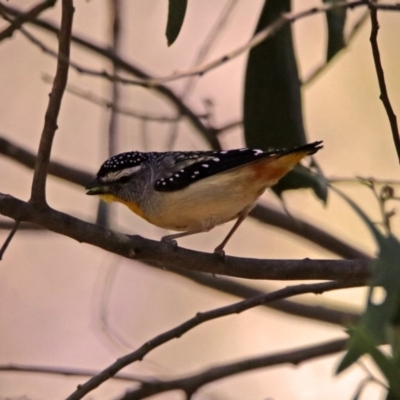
[220, 253]
[172, 242]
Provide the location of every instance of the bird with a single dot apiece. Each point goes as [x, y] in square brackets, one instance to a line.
[194, 191]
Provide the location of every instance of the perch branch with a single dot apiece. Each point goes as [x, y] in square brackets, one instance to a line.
[163, 254]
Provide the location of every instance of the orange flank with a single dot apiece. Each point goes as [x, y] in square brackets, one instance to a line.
[275, 168]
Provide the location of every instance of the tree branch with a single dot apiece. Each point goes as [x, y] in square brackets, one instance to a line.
[315, 312]
[23, 17]
[163, 254]
[38, 194]
[381, 77]
[36, 369]
[28, 159]
[200, 318]
[192, 383]
[306, 231]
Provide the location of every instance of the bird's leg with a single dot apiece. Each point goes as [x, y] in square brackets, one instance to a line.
[220, 248]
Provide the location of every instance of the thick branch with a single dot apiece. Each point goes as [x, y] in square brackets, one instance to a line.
[200, 318]
[165, 255]
[24, 17]
[381, 79]
[38, 194]
[192, 383]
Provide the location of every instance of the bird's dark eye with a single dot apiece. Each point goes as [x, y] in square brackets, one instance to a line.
[124, 179]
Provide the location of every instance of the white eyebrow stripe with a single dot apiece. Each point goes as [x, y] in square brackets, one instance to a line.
[115, 175]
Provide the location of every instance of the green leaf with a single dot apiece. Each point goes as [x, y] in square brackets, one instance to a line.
[380, 322]
[362, 342]
[302, 177]
[272, 100]
[176, 15]
[336, 19]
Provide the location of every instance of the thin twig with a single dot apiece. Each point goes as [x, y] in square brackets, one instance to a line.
[9, 238]
[130, 68]
[381, 77]
[362, 179]
[38, 193]
[36, 369]
[28, 159]
[115, 6]
[255, 41]
[197, 320]
[101, 101]
[192, 383]
[316, 72]
[23, 18]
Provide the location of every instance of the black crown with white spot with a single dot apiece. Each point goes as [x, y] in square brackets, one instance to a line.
[123, 161]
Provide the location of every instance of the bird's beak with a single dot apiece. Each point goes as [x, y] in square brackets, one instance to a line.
[95, 187]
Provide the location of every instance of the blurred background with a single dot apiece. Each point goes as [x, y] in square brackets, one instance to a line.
[70, 305]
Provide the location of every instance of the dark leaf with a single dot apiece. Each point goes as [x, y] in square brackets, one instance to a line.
[302, 177]
[272, 100]
[336, 19]
[176, 15]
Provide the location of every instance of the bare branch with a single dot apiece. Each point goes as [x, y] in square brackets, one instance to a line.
[23, 18]
[38, 194]
[269, 31]
[57, 169]
[315, 312]
[198, 319]
[115, 6]
[190, 384]
[381, 77]
[65, 372]
[163, 254]
[306, 231]
[101, 101]
[130, 68]
[322, 67]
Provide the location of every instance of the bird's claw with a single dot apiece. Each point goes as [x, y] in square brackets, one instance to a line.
[220, 253]
[173, 243]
